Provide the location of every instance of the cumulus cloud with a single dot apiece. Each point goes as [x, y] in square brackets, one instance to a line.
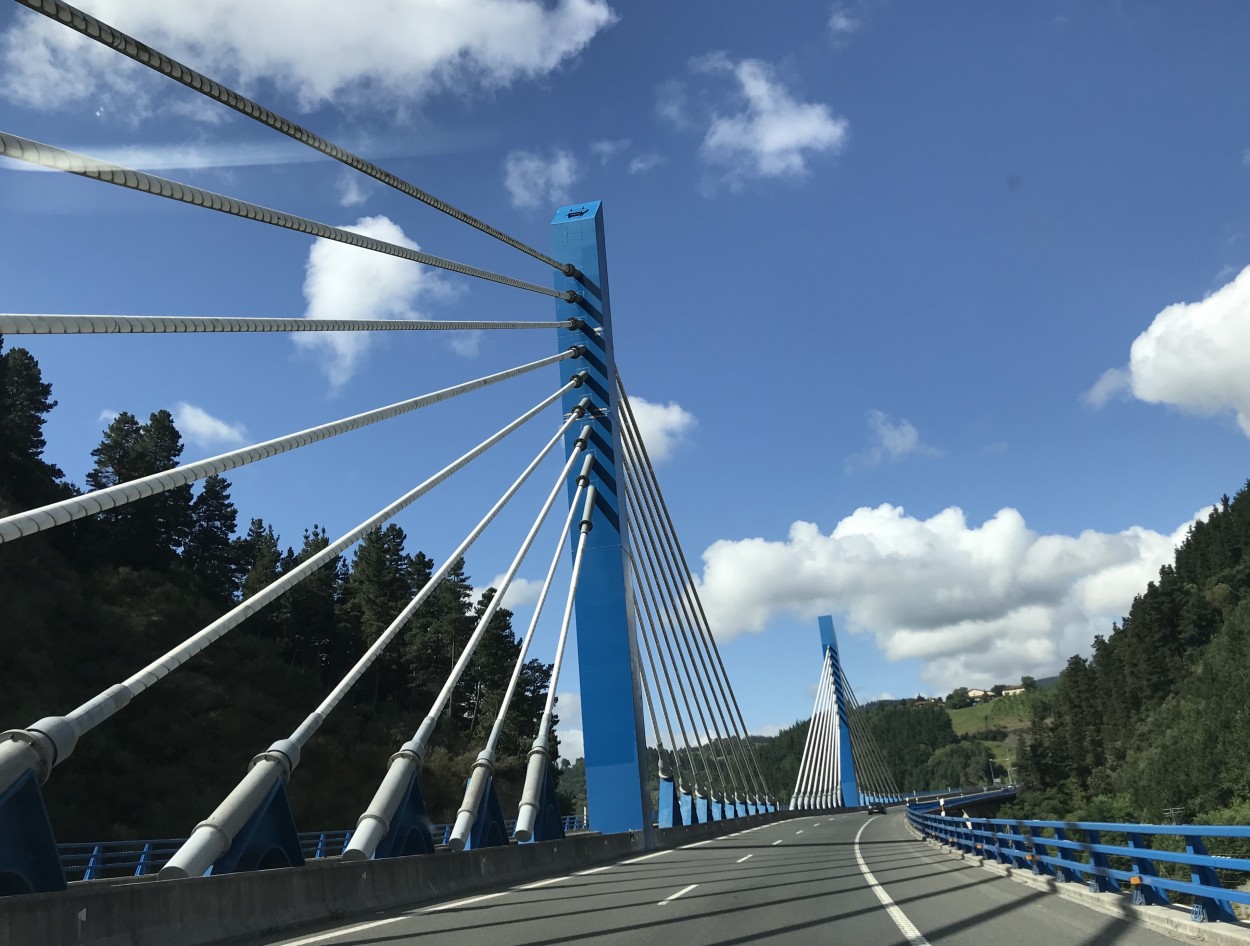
[572, 741]
[107, 416]
[1194, 355]
[535, 181]
[890, 442]
[522, 591]
[763, 131]
[202, 429]
[321, 51]
[976, 604]
[664, 427]
[346, 282]
[645, 162]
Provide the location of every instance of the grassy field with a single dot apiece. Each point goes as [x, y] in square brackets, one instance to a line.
[1010, 712]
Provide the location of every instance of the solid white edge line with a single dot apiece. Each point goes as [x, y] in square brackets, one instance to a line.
[541, 883]
[342, 931]
[647, 857]
[905, 926]
[683, 890]
[594, 870]
[465, 902]
[741, 859]
[698, 843]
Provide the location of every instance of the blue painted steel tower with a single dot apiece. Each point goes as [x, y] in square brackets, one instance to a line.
[846, 761]
[619, 797]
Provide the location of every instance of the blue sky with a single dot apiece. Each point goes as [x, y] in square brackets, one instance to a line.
[942, 309]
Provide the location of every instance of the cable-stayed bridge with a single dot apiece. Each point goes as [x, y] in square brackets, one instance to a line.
[742, 865]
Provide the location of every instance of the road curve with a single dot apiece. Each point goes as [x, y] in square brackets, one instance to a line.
[850, 879]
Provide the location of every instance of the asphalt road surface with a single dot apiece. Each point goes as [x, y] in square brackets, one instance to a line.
[853, 880]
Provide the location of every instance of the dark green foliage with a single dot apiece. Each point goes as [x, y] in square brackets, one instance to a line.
[89, 604]
[1157, 717]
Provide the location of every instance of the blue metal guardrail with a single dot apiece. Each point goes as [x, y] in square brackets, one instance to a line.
[93, 860]
[1076, 851]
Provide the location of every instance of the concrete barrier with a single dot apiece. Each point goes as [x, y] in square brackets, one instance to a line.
[203, 910]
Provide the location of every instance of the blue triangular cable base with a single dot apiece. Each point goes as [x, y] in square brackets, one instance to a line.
[29, 862]
[409, 833]
[688, 809]
[268, 839]
[670, 814]
[489, 829]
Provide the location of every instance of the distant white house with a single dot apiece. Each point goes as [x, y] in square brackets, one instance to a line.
[1012, 691]
[975, 694]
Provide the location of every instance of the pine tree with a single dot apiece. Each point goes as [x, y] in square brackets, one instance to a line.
[25, 400]
[210, 550]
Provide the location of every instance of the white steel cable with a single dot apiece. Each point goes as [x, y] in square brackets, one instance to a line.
[77, 507]
[540, 751]
[484, 767]
[33, 323]
[53, 738]
[213, 836]
[685, 620]
[650, 547]
[671, 531]
[102, 33]
[807, 744]
[659, 694]
[50, 156]
[646, 625]
[659, 629]
[314, 720]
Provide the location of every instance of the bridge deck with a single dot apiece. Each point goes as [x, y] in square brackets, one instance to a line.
[793, 882]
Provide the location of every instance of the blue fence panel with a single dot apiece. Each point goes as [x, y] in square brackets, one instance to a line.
[1090, 860]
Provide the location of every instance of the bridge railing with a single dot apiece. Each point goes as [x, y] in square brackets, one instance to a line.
[95, 860]
[1158, 863]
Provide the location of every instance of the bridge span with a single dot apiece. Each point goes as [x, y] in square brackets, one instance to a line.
[850, 878]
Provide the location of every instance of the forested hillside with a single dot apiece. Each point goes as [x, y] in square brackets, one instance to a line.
[87, 604]
[1159, 716]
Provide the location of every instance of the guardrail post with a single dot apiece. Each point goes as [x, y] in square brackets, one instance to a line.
[1099, 882]
[1212, 908]
[617, 786]
[1144, 892]
[1035, 858]
[1070, 874]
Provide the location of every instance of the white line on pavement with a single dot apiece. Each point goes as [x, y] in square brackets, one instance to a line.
[698, 843]
[465, 902]
[905, 926]
[647, 857]
[800, 831]
[594, 870]
[741, 859]
[778, 841]
[683, 890]
[342, 931]
[540, 883]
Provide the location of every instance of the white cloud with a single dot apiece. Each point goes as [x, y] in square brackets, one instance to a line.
[843, 20]
[975, 604]
[188, 155]
[890, 442]
[664, 427]
[522, 591]
[202, 429]
[107, 416]
[346, 282]
[572, 741]
[770, 134]
[1112, 382]
[321, 51]
[672, 103]
[351, 191]
[645, 162]
[606, 149]
[535, 181]
[1195, 356]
